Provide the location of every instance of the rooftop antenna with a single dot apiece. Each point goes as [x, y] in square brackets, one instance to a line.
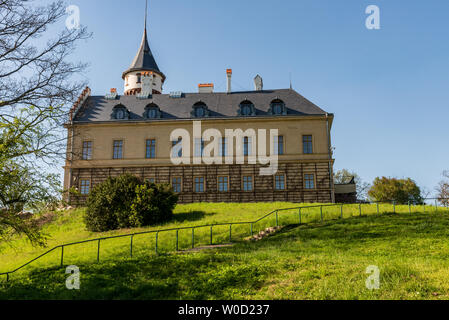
[290, 75]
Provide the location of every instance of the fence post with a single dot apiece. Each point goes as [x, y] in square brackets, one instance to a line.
[98, 251]
[211, 235]
[424, 207]
[360, 209]
[157, 236]
[177, 240]
[394, 206]
[7, 277]
[409, 207]
[251, 229]
[321, 213]
[377, 206]
[341, 211]
[230, 233]
[193, 238]
[62, 256]
[299, 213]
[277, 219]
[436, 208]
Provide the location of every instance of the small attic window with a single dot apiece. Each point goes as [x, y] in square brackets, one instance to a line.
[139, 78]
[200, 110]
[247, 109]
[120, 112]
[277, 107]
[152, 111]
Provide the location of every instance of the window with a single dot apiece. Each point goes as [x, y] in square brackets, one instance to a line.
[151, 149]
[247, 183]
[279, 182]
[279, 145]
[199, 147]
[120, 114]
[84, 187]
[307, 144]
[223, 184]
[246, 146]
[200, 110]
[223, 147]
[176, 184]
[246, 108]
[309, 181]
[139, 78]
[152, 111]
[118, 149]
[87, 150]
[177, 149]
[199, 184]
[277, 107]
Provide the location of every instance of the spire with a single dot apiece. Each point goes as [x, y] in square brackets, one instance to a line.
[144, 59]
[146, 14]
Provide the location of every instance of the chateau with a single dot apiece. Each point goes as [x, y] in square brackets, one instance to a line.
[133, 133]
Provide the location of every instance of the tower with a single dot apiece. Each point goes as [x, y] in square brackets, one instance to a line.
[143, 76]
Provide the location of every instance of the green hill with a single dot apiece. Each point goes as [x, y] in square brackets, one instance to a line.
[310, 261]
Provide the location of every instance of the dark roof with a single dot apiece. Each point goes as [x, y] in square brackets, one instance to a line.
[220, 105]
[144, 60]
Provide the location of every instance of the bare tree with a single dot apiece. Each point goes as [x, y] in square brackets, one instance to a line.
[36, 90]
[443, 189]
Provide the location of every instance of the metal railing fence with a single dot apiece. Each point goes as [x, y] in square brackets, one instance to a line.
[300, 211]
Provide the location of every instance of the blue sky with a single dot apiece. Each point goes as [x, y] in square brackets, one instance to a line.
[388, 88]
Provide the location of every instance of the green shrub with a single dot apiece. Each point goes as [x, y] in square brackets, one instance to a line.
[401, 190]
[126, 201]
[152, 204]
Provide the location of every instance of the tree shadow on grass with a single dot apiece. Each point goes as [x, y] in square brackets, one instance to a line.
[191, 216]
[191, 277]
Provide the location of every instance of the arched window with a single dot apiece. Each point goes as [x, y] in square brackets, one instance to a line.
[277, 107]
[247, 109]
[200, 110]
[120, 112]
[152, 111]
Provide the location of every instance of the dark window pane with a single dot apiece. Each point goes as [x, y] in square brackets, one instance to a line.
[151, 149]
[307, 144]
[118, 149]
[87, 150]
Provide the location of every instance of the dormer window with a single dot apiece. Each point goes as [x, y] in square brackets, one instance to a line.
[277, 107]
[120, 113]
[247, 109]
[200, 110]
[152, 111]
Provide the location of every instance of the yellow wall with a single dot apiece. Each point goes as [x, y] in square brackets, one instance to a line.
[135, 134]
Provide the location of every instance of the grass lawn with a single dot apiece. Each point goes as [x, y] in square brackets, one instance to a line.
[310, 261]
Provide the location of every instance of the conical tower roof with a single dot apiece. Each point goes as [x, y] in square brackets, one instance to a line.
[144, 60]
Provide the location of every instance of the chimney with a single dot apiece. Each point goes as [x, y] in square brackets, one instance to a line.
[112, 95]
[258, 83]
[206, 88]
[229, 76]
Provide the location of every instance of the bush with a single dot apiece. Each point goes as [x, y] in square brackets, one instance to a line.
[152, 204]
[401, 190]
[126, 201]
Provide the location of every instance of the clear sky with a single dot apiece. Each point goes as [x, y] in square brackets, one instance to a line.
[388, 88]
